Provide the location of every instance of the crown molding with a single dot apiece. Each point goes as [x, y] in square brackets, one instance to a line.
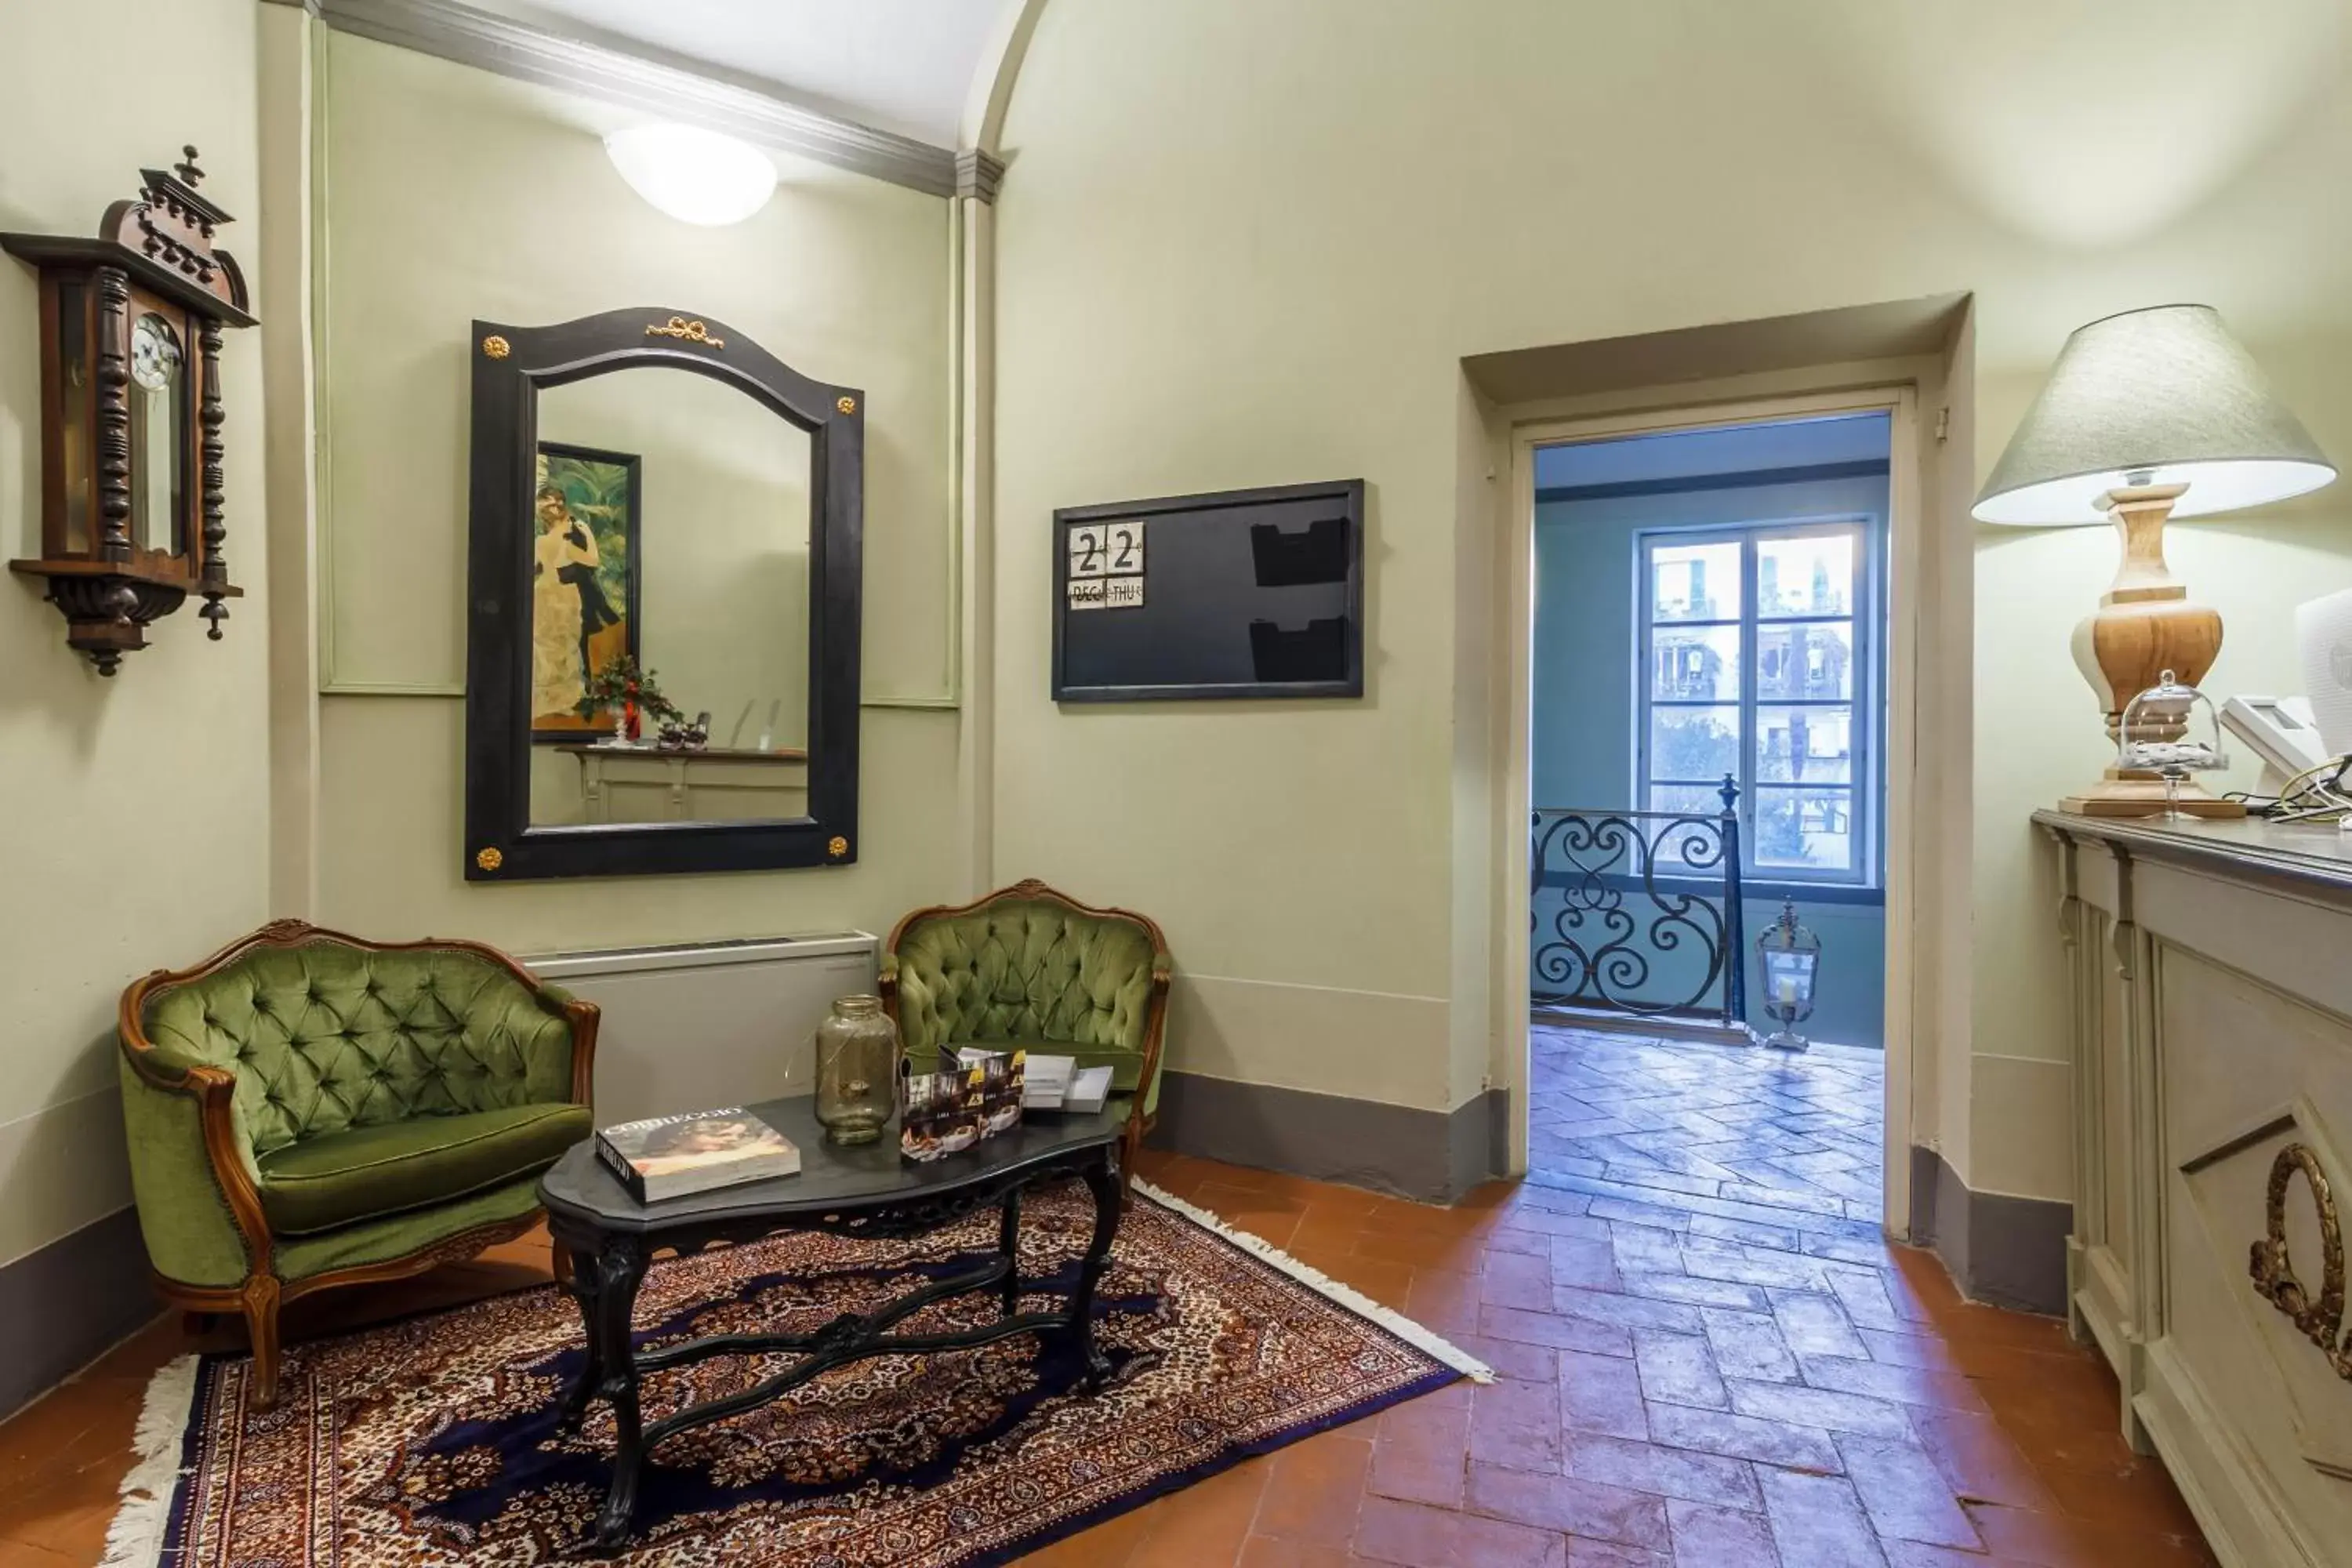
[978, 174]
[310, 6]
[512, 49]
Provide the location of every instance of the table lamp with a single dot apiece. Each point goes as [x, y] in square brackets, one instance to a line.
[2149, 414]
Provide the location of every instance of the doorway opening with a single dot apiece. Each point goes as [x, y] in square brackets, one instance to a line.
[1712, 740]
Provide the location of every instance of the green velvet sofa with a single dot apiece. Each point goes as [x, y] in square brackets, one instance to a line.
[306, 1109]
[1033, 969]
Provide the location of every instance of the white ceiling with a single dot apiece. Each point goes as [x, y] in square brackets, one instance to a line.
[896, 65]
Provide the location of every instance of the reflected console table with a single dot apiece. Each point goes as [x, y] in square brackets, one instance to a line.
[717, 783]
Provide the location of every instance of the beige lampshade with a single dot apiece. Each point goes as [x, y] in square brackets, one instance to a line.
[2159, 396]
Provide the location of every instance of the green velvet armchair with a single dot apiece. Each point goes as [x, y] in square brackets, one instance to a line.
[1029, 968]
[306, 1109]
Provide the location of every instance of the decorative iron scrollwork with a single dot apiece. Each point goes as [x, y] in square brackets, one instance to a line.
[1635, 887]
[2320, 1320]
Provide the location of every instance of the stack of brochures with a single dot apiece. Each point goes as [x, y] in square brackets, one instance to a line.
[1058, 1083]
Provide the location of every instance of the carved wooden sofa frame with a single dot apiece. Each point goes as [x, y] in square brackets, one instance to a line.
[259, 1297]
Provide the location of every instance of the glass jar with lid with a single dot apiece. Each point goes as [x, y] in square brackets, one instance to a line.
[856, 1069]
[2173, 732]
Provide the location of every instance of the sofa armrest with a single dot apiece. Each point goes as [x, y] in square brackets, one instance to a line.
[1155, 1035]
[582, 1019]
[192, 1170]
[585, 1018]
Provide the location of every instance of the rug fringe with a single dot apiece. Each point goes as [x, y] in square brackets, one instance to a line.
[135, 1539]
[1355, 1300]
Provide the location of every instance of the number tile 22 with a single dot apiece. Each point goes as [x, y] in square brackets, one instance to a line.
[1106, 549]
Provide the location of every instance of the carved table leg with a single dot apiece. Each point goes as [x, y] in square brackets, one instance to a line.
[581, 1283]
[620, 1266]
[1008, 1247]
[1102, 1181]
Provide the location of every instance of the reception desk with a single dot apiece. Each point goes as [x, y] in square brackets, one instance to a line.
[2212, 1016]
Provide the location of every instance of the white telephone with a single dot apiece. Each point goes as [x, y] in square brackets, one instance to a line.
[2281, 730]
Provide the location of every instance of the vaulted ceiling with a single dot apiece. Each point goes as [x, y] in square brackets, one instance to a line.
[896, 65]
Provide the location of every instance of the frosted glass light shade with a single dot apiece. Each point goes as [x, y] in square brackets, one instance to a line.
[695, 175]
[2159, 396]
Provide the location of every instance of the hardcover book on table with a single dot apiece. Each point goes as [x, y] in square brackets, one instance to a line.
[673, 1156]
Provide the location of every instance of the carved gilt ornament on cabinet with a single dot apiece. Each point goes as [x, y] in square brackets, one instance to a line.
[2320, 1319]
[131, 485]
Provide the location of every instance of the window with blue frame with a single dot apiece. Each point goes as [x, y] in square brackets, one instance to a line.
[1758, 661]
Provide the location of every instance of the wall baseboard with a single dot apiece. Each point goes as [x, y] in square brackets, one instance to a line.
[2003, 1250]
[62, 1304]
[1431, 1156]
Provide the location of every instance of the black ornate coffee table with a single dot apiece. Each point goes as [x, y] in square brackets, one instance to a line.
[864, 1190]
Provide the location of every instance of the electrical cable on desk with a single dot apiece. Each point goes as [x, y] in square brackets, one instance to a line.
[2323, 793]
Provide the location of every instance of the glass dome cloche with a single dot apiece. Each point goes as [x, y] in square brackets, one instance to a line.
[2172, 732]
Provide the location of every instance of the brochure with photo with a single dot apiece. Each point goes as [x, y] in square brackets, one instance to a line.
[942, 1115]
[1003, 1077]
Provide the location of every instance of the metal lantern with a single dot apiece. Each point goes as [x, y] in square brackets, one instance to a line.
[2172, 732]
[1791, 958]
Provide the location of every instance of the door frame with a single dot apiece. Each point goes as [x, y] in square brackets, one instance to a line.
[1905, 607]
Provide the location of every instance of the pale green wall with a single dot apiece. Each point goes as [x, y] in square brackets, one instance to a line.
[453, 193]
[1243, 244]
[134, 810]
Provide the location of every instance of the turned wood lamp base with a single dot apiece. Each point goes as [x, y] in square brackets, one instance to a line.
[2145, 625]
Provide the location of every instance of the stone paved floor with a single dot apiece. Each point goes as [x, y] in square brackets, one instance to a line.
[1709, 1360]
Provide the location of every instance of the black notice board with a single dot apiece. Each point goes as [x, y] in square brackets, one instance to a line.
[1244, 594]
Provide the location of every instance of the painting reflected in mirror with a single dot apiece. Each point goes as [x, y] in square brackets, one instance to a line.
[669, 604]
[584, 584]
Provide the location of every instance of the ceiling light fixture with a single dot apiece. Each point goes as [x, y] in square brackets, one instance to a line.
[695, 175]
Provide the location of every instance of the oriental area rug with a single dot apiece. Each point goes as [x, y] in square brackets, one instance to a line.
[435, 1440]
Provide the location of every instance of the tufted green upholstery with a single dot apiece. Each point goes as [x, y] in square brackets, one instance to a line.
[1030, 972]
[326, 1038]
[306, 1109]
[372, 1085]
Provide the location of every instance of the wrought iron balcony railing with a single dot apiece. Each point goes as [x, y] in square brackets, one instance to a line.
[1638, 913]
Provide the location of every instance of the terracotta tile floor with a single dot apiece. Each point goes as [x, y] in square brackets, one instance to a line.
[1708, 1359]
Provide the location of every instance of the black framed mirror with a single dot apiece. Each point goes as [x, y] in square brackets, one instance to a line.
[666, 525]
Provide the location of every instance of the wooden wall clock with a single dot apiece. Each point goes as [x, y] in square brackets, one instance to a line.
[131, 415]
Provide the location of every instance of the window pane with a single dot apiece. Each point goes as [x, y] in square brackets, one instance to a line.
[1810, 660]
[1694, 582]
[1693, 800]
[1807, 576]
[1694, 664]
[1804, 745]
[1804, 829]
[1693, 743]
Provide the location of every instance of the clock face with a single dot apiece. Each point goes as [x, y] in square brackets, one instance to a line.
[154, 353]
